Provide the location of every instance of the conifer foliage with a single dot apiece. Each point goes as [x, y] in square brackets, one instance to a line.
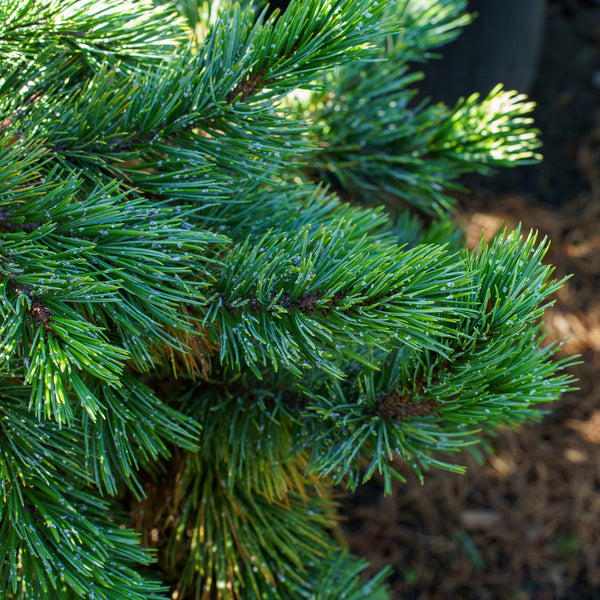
[230, 281]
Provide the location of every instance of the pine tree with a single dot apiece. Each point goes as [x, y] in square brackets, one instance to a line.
[231, 281]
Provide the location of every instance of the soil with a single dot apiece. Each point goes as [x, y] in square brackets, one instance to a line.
[525, 524]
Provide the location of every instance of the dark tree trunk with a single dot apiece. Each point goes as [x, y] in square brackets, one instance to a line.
[501, 45]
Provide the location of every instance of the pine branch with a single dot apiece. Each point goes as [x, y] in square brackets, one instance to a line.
[80, 32]
[258, 431]
[241, 543]
[90, 249]
[137, 430]
[64, 545]
[311, 297]
[382, 147]
[425, 26]
[419, 403]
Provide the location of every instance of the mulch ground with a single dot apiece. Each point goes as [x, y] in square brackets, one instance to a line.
[525, 524]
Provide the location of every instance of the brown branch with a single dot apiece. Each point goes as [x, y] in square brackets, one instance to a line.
[306, 303]
[248, 86]
[39, 313]
[392, 404]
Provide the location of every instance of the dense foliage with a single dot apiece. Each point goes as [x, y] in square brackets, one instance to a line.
[231, 280]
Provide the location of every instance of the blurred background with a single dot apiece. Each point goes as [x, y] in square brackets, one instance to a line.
[525, 524]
